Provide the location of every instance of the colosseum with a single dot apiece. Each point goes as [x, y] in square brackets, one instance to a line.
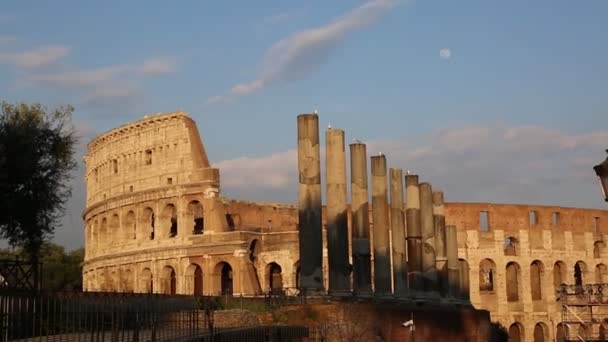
[156, 222]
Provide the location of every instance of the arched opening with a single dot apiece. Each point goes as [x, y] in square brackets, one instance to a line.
[195, 212]
[540, 332]
[516, 333]
[598, 247]
[95, 235]
[226, 283]
[275, 278]
[579, 270]
[487, 270]
[147, 224]
[463, 268]
[560, 333]
[510, 246]
[169, 280]
[601, 274]
[129, 226]
[198, 281]
[127, 281]
[114, 228]
[536, 276]
[103, 233]
[559, 274]
[146, 281]
[513, 281]
[169, 220]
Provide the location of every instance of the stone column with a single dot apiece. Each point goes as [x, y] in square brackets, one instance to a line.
[398, 233]
[309, 204]
[452, 256]
[362, 274]
[414, 235]
[441, 261]
[337, 221]
[214, 212]
[382, 265]
[428, 238]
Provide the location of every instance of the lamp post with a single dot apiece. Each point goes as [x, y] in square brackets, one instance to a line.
[602, 173]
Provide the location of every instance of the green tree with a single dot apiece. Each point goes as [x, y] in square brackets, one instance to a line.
[36, 160]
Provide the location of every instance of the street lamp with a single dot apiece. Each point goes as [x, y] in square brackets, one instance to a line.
[602, 173]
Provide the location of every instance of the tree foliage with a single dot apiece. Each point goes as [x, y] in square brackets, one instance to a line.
[36, 160]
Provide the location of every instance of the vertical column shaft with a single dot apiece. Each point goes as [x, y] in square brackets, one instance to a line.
[452, 256]
[309, 203]
[337, 221]
[362, 274]
[440, 242]
[414, 234]
[382, 266]
[398, 233]
[428, 234]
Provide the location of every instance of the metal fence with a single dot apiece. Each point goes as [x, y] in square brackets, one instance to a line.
[101, 316]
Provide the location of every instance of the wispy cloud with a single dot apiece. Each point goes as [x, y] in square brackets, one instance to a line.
[524, 164]
[303, 53]
[34, 58]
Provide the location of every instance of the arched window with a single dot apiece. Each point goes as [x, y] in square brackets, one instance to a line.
[147, 224]
[513, 281]
[487, 271]
[516, 333]
[510, 246]
[275, 277]
[579, 271]
[169, 280]
[103, 233]
[129, 226]
[114, 228]
[224, 270]
[540, 332]
[601, 274]
[598, 247]
[560, 333]
[536, 276]
[559, 274]
[146, 283]
[195, 212]
[127, 281]
[169, 220]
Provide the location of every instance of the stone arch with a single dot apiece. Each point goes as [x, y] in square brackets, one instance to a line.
[559, 274]
[487, 272]
[169, 280]
[561, 333]
[195, 214]
[146, 281]
[537, 270]
[129, 226]
[223, 270]
[274, 276]
[601, 274]
[511, 246]
[103, 233]
[168, 221]
[114, 231]
[516, 332]
[146, 225]
[541, 332]
[513, 276]
[580, 268]
[194, 278]
[463, 268]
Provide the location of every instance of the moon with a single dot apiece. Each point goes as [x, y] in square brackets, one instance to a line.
[445, 53]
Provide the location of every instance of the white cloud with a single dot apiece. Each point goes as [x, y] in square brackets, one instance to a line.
[35, 58]
[445, 53]
[303, 53]
[158, 66]
[524, 164]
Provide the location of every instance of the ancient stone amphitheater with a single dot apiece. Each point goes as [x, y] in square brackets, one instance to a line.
[155, 221]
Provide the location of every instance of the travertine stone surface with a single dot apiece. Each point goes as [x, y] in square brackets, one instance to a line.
[380, 214]
[397, 219]
[414, 233]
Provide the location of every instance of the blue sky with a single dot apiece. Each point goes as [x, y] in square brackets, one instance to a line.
[517, 113]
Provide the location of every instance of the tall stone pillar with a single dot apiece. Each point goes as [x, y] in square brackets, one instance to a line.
[382, 263]
[336, 212]
[428, 238]
[362, 274]
[414, 233]
[309, 204]
[398, 233]
[441, 261]
[453, 264]
[214, 212]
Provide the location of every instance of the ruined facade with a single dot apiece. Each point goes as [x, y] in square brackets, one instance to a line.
[155, 221]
